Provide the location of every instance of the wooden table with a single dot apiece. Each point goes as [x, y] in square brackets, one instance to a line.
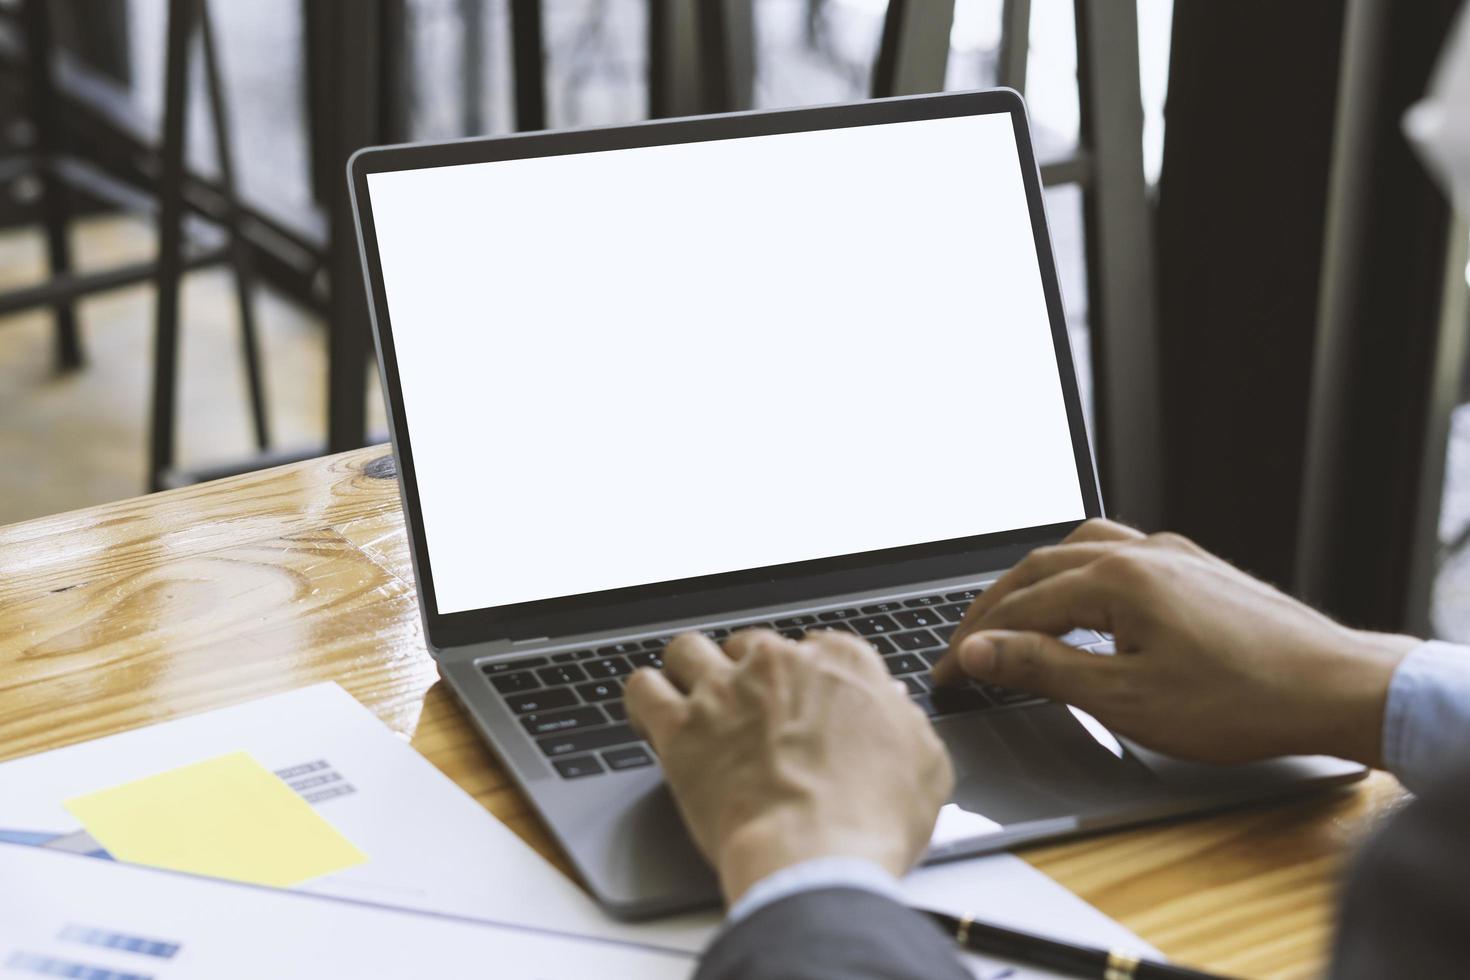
[161, 606]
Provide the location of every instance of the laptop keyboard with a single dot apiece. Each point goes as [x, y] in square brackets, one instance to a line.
[571, 702]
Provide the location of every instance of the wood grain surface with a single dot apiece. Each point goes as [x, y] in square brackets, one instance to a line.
[181, 602]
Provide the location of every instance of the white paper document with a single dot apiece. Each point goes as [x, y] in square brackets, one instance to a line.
[66, 915]
[427, 845]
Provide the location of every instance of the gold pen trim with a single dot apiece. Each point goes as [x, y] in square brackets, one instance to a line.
[962, 931]
[1122, 965]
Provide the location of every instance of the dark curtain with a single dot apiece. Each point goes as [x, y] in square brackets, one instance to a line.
[1241, 207]
[1381, 326]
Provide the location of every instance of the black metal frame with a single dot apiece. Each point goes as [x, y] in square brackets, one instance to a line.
[37, 22]
[185, 18]
[701, 57]
[62, 175]
[737, 589]
[1015, 44]
[114, 158]
[97, 153]
[528, 56]
[355, 95]
[913, 53]
[1121, 283]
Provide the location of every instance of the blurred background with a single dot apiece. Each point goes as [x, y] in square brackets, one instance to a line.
[1265, 293]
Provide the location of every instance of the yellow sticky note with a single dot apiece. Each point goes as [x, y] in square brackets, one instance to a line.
[227, 817]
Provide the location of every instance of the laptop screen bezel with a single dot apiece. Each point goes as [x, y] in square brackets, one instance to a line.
[709, 595]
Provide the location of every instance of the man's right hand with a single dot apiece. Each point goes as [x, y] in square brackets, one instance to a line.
[1211, 664]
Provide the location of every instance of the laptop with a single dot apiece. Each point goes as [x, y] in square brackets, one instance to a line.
[797, 369]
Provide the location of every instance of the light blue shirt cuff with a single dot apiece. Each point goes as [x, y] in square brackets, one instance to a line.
[812, 875]
[1426, 722]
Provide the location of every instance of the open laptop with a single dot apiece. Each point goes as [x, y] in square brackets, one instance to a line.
[797, 368]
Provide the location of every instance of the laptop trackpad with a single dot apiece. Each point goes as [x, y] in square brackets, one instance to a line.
[1039, 763]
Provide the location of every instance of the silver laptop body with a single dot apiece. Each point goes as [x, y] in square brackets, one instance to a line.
[803, 368]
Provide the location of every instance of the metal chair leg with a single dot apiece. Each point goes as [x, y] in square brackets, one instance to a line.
[914, 50]
[239, 256]
[528, 54]
[170, 240]
[53, 205]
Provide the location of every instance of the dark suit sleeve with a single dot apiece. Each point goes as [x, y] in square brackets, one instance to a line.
[832, 934]
[1406, 911]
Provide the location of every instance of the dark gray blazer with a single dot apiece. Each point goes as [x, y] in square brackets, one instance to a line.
[1406, 910]
[832, 934]
[1406, 913]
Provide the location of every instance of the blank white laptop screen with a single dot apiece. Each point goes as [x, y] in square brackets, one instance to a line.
[644, 365]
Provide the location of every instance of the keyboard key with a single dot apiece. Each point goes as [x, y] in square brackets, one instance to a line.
[545, 699]
[794, 634]
[600, 691]
[560, 674]
[957, 700]
[914, 685]
[881, 607]
[594, 738]
[633, 757]
[932, 657]
[647, 659]
[969, 595]
[617, 648]
[904, 663]
[611, 667]
[837, 625]
[615, 710]
[657, 643]
[583, 765]
[515, 683]
[571, 720]
[833, 614]
[756, 626]
[917, 640]
[585, 654]
[923, 600]
[1080, 637]
[872, 625]
[718, 635]
[915, 619]
[882, 644]
[791, 621]
[954, 613]
[945, 632]
[506, 666]
[564, 657]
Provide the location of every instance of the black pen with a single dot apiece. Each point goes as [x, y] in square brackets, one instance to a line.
[1073, 959]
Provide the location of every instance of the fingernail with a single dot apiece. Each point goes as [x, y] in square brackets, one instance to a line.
[977, 654]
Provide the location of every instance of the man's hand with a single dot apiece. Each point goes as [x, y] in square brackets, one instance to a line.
[777, 752]
[1211, 664]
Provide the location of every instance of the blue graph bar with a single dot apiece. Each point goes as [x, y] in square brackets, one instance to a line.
[116, 940]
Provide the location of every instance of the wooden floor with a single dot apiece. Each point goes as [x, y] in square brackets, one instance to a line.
[78, 439]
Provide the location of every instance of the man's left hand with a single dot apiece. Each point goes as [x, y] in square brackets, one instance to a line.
[780, 751]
